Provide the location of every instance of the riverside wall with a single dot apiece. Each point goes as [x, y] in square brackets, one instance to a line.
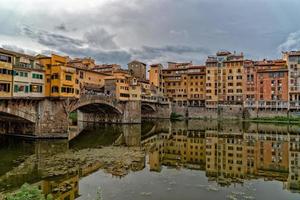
[231, 112]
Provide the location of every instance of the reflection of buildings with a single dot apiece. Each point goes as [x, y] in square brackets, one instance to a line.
[229, 153]
[294, 163]
[176, 149]
[61, 188]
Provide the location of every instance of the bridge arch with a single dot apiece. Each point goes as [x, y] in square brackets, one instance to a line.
[16, 114]
[98, 104]
[148, 108]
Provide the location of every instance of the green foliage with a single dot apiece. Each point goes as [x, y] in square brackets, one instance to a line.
[175, 116]
[73, 117]
[28, 192]
[278, 119]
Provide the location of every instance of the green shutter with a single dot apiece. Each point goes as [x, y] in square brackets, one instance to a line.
[16, 88]
[26, 89]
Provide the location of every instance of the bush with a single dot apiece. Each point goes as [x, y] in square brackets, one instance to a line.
[175, 116]
[27, 192]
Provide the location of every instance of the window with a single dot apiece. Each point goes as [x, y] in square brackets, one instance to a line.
[36, 88]
[68, 77]
[4, 87]
[4, 58]
[54, 89]
[5, 71]
[81, 75]
[54, 76]
[67, 90]
[37, 76]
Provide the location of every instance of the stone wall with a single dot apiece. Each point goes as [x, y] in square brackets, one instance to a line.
[161, 111]
[202, 112]
[132, 112]
[226, 112]
[52, 120]
[262, 113]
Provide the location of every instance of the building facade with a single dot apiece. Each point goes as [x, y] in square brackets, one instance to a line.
[137, 69]
[196, 79]
[176, 82]
[6, 70]
[224, 78]
[28, 77]
[156, 78]
[272, 83]
[61, 78]
[293, 62]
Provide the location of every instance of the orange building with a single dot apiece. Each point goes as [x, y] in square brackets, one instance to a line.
[176, 87]
[61, 78]
[249, 83]
[272, 83]
[107, 68]
[156, 78]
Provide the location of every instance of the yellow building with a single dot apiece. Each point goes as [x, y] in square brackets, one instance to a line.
[6, 60]
[224, 78]
[88, 79]
[61, 79]
[176, 86]
[156, 78]
[84, 63]
[196, 85]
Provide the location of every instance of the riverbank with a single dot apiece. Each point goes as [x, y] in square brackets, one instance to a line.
[277, 119]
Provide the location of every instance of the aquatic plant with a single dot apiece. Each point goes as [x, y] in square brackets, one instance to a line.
[28, 192]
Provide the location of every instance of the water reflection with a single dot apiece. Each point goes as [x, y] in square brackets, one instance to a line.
[61, 188]
[229, 153]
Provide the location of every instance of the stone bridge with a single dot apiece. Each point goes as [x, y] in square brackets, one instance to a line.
[49, 117]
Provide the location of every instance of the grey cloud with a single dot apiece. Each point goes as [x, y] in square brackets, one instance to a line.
[18, 49]
[292, 42]
[78, 47]
[50, 39]
[99, 37]
[103, 48]
[61, 27]
[148, 52]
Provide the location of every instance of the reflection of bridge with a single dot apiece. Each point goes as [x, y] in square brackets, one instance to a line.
[50, 117]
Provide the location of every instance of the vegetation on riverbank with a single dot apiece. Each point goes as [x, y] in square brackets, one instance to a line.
[277, 119]
[73, 117]
[28, 192]
[176, 116]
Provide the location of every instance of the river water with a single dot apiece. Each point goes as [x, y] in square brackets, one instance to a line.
[183, 160]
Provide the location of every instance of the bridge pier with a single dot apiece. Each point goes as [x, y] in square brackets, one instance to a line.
[132, 112]
[52, 119]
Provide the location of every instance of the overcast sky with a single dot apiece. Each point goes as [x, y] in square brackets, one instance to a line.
[116, 31]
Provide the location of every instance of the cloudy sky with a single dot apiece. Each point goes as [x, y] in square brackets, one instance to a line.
[116, 31]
